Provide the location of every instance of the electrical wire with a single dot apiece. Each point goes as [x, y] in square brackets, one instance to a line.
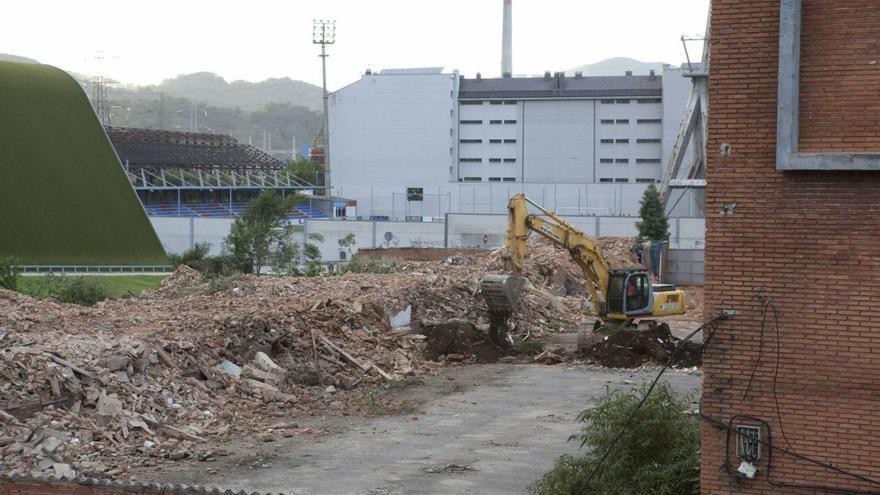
[712, 325]
[760, 352]
[776, 375]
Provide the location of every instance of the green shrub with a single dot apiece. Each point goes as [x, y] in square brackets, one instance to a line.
[8, 273]
[85, 291]
[658, 454]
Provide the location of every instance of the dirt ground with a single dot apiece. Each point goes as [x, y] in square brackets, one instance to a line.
[470, 429]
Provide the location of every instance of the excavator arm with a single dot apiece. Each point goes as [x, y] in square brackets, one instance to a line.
[581, 247]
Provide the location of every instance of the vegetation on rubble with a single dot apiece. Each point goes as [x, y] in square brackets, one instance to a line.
[8, 273]
[654, 226]
[85, 291]
[659, 453]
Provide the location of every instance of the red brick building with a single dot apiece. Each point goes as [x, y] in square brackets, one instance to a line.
[792, 238]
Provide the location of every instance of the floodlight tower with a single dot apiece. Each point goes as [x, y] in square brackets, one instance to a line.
[324, 33]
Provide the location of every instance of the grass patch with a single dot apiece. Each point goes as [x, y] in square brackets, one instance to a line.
[115, 286]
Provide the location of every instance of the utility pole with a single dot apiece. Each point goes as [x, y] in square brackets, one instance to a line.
[194, 117]
[324, 33]
[162, 111]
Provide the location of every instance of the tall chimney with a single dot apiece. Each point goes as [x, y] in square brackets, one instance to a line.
[507, 41]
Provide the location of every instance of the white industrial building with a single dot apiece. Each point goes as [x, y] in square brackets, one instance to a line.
[423, 143]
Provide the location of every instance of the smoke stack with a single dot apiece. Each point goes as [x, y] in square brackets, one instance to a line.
[507, 41]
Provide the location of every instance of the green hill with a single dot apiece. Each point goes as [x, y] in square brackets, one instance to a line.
[64, 197]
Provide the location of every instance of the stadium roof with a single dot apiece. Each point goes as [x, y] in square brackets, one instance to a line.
[561, 87]
[410, 72]
[139, 148]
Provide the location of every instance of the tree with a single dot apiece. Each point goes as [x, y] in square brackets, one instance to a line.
[654, 225]
[347, 243]
[308, 170]
[659, 453]
[263, 235]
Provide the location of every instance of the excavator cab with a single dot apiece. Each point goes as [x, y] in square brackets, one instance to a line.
[629, 295]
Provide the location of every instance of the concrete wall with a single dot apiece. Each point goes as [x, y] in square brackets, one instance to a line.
[178, 234]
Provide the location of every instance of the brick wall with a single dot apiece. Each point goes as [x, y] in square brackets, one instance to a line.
[809, 238]
[840, 76]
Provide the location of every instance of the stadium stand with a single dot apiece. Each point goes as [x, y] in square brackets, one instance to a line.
[186, 174]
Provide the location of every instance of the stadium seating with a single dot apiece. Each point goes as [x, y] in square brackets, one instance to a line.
[224, 210]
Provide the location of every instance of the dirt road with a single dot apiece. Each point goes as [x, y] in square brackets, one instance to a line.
[479, 429]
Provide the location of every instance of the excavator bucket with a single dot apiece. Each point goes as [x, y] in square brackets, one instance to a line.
[502, 293]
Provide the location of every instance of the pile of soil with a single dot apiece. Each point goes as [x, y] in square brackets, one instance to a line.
[632, 348]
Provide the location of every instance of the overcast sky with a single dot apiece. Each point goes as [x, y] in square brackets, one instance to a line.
[146, 42]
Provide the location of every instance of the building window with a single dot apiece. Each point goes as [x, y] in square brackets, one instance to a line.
[510, 121]
[471, 102]
[606, 160]
[510, 179]
[608, 102]
[470, 121]
[470, 160]
[470, 141]
[494, 160]
[496, 102]
[473, 179]
[622, 141]
[622, 121]
[650, 121]
[510, 141]
[651, 100]
[648, 141]
[607, 121]
[607, 141]
[509, 102]
[510, 160]
[606, 180]
[495, 141]
[646, 181]
[495, 121]
[494, 179]
[648, 160]
[622, 160]
[615, 180]
[622, 102]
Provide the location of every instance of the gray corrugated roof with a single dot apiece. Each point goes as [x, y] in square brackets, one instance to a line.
[566, 87]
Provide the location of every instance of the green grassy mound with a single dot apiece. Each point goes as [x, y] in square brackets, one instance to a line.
[64, 197]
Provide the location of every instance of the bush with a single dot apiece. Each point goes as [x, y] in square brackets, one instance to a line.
[198, 258]
[72, 290]
[8, 273]
[659, 453]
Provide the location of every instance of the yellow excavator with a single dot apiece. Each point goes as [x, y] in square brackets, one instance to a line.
[620, 295]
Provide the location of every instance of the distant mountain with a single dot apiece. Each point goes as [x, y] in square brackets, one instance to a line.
[214, 90]
[618, 66]
[15, 58]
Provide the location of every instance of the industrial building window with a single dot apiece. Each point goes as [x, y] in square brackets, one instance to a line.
[623, 102]
[494, 179]
[650, 121]
[495, 141]
[622, 141]
[651, 100]
[607, 141]
[621, 180]
[510, 141]
[473, 179]
[607, 121]
[606, 180]
[510, 160]
[622, 160]
[510, 179]
[470, 121]
[608, 102]
[509, 102]
[470, 160]
[496, 102]
[648, 160]
[622, 121]
[510, 121]
[647, 141]
[646, 181]
[494, 160]
[471, 102]
[470, 141]
[606, 160]
[495, 121]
